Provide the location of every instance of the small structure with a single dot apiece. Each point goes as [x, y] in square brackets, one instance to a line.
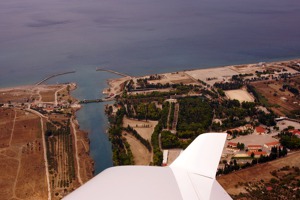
[270, 145]
[254, 148]
[283, 98]
[241, 155]
[296, 133]
[257, 154]
[260, 130]
[248, 126]
[280, 119]
[232, 145]
[165, 157]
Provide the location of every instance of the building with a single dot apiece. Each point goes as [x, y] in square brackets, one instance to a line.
[260, 130]
[254, 147]
[257, 154]
[270, 145]
[296, 133]
[232, 145]
[165, 158]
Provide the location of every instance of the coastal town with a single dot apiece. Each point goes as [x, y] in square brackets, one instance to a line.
[152, 119]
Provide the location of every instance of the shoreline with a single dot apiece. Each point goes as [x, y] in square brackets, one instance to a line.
[115, 84]
[85, 150]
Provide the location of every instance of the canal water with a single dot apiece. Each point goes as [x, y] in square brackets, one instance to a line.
[39, 38]
[91, 117]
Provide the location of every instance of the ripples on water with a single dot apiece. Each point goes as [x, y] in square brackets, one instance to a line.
[41, 37]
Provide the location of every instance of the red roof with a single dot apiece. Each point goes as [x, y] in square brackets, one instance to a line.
[260, 129]
[232, 144]
[269, 188]
[272, 143]
[296, 132]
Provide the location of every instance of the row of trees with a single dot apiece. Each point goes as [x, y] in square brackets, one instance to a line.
[59, 149]
[229, 85]
[122, 154]
[289, 140]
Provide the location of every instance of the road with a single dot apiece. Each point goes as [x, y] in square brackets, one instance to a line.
[76, 152]
[45, 157]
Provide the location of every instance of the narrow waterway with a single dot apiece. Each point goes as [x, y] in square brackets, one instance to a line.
[91, 117]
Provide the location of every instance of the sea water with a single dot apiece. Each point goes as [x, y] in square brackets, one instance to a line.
[41, 37]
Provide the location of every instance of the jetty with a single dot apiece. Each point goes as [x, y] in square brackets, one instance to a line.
[53, 75]
[113, 72]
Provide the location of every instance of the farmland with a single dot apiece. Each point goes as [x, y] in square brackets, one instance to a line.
[281, 101]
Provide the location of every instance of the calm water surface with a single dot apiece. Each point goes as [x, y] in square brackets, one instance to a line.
[42, 37]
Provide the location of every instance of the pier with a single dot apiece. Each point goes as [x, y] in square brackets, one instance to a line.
[113, 72]
[52, 76]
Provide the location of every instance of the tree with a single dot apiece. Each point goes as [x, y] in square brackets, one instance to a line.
[240, 146]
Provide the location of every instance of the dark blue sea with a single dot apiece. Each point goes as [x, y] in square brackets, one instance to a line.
[138, 37]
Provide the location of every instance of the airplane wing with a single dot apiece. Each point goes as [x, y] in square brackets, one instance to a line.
[190, 177]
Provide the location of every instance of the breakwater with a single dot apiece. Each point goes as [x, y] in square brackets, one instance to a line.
[54, 75]
[112, 71]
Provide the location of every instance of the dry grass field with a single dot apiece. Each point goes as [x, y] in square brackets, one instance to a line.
[23, 173]
[212, 75]
[141, 155]
[240, 95]
[144, 128]
[232, 182]
[20, 95]
[174, 78]
[21, 156]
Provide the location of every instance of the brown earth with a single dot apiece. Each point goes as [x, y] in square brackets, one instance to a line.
[282, 102]
[22, 162]
[232, 182]
[144, 128]
[86, 163]
[21, 156]
[141, 155]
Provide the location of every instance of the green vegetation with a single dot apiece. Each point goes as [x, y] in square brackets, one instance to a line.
[157, 154]
[195, 115]
[164, 114]
[147, 111]
[289, 140]
[171, 114]
[169, 140]
[122, 154]
[229, 85]
[260, 98]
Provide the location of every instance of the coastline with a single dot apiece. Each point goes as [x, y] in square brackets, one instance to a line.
[116, 84]
[150, 92]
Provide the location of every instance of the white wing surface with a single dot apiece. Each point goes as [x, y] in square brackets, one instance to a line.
[190, 177]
